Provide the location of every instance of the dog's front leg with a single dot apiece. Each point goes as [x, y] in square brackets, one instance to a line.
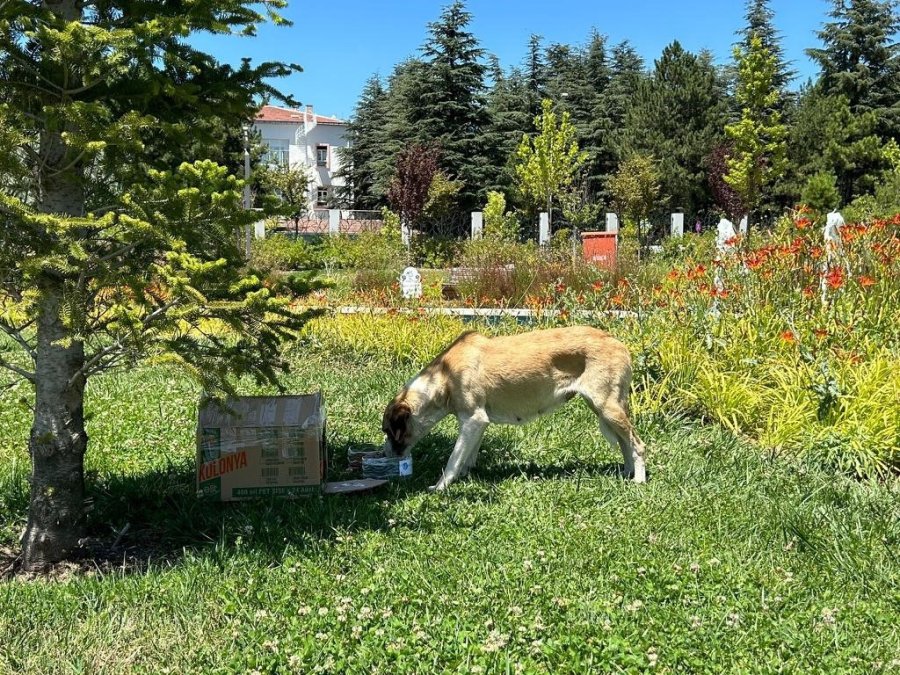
[471, 429]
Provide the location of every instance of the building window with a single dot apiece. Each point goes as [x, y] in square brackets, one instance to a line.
[321, 155]
[277, 151]
[322, 196]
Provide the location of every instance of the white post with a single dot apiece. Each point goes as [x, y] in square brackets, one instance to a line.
[477, 224]
[260, 229]
[334, 221]
[544, 229]
[612, 222]
[404, 234]
[742, 226]
[677, 228]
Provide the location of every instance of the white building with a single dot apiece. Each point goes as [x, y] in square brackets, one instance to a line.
[299, 138]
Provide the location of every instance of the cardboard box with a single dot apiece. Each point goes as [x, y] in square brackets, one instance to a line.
[260, 446]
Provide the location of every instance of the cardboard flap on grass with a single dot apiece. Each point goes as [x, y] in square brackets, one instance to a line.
[348, 486]
[261, 446]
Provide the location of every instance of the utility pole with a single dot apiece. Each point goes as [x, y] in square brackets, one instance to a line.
[248, 234]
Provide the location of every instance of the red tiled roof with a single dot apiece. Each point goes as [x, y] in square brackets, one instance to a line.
[272, 113]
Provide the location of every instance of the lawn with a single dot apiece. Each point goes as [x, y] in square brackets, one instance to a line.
[727, 560]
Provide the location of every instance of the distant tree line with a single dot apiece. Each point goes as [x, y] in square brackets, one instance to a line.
[736, 137]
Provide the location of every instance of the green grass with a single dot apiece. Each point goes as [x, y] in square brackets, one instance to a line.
[543, 561]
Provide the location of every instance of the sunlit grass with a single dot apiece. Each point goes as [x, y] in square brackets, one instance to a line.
[543, 561]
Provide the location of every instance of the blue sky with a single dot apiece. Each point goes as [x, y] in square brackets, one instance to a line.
[341, 44]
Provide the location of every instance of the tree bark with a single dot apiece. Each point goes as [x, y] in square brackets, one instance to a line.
[58, 441]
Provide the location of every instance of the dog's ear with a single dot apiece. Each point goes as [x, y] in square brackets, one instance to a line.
[399, 419]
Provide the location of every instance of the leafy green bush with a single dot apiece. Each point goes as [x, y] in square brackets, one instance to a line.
[498, 224]
[434, 252]
[280, 253]
[821, 193]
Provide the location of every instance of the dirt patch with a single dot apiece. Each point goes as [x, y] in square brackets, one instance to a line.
[96, 557]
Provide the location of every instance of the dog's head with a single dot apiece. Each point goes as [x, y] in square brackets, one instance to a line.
[397, 427]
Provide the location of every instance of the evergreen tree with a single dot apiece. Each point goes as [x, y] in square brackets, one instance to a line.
[758, 137]
[111, 248]
[600, 139]
[860, 60]
[535, 71]
[759, 19]
[626, 75]
[506, 106]
[827, 138]
[450, 110]
[398, 130]
[678, 113]
[358, 161]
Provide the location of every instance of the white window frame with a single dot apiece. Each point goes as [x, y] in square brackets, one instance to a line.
[322, 162]
[278, 151]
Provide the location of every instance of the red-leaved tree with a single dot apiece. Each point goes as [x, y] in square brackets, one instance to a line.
[416, 168]
[723, 194]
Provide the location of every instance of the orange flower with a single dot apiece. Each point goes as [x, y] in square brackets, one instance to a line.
[697, 272]
[820, 333]
[597, 285]
[802, 223]
[754, 261]
[788, 336]
[560, 288]
[835, 278]
[865, 280]
[673, 275]
[809, 292]
[617, 299]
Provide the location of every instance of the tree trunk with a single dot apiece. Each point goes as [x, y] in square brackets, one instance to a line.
[58, 441]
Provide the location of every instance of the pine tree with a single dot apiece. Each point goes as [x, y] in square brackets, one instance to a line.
[506, 106]
[535, 71]
[860, 60]
[827, 138]
[116, 243]
[398, 129]
[759, 19]
[450, 110]
[600, 141]
[758, 137]
[364, 131]
[626, 75]
[678, 113]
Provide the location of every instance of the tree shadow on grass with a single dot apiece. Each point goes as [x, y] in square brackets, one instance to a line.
[155, 518]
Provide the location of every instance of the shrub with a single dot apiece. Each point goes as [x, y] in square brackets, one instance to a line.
[435, 252]
[821, 193]
[280, 253]
[498, 224]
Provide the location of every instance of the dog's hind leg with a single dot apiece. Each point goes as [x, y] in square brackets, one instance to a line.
[471, 429]
[617, 430]
[616, 418]
[469, 462]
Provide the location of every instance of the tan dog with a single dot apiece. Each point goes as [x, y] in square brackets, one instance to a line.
[512, 380]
